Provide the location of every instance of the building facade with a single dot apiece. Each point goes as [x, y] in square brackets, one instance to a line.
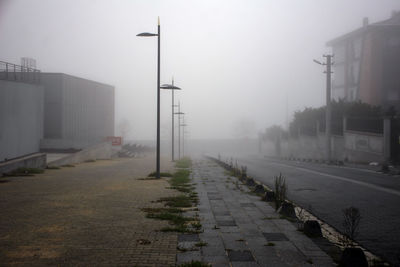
[21, 118]
[77, 112]
[366, 64]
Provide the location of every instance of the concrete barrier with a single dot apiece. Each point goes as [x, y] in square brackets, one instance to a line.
[37, 160]
[99, 151]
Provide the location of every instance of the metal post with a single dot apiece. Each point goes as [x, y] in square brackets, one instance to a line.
[183, 137]
[173, 125]
[158, 103]
[179, 130]
[328, 107]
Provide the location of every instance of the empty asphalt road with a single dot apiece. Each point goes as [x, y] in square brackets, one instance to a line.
[327, 190]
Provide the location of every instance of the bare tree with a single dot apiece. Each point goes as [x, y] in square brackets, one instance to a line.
[351, 222]
[280, 191]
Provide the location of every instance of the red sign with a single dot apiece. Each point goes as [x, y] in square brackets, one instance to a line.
[115, 140]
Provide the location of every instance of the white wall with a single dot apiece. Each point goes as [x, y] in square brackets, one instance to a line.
[21, 118]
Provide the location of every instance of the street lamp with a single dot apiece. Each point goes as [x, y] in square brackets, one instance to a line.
[158, 34]
[172, 88]
[183, 137]
[179, 113]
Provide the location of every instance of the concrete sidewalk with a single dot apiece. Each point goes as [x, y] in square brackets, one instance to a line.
[242, 230]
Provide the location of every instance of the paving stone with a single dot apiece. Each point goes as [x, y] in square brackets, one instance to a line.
[188, 238]
[224, 218]
[247, 205]
[226, 223]
[209, 233]
[222, 213]
[213, 241]
[250, 229]
[229, 229]
[213, 250]
[292, 258]
[216, 260]
[188, 256]
[240, 255]
[246, 214]
[275, 236]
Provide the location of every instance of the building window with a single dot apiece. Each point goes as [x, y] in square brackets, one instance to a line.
[392, 95]
[339, 75]
[357, 46]
[340, 53]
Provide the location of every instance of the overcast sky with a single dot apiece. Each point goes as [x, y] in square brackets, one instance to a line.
[237, 61]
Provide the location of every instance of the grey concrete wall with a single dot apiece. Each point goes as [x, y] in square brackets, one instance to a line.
[53, 108]
[358, 147]
[21, 118]
[79, 112]
[313, 147]
[37, 160]
[364, 147]
[99, 151]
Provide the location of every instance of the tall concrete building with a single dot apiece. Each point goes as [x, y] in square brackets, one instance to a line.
[367, 63]
[51, 111]
[21, 118]
[77, 112]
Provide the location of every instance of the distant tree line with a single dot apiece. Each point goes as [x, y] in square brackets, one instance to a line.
[360, 117]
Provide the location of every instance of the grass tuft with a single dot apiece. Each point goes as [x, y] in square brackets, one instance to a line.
[184, 162]
[162, 174]
[68, 165]
[52, 167]
[155, 210]
[181, 201]
[172, 217]
[24, 172]
[194, 264]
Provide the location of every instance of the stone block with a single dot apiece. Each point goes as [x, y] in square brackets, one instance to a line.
[312, 228]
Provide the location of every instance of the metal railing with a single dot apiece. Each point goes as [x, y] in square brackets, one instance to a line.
[13, 72]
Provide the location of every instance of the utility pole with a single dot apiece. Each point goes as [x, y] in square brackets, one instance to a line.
[328, 112]
[287, 112]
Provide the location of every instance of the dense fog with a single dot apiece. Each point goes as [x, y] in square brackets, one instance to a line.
[242, 65]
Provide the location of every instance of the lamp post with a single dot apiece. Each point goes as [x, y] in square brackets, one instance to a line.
[158, 34]
[183, 137]
[328, 112]
[172, 88]
[179, 113]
